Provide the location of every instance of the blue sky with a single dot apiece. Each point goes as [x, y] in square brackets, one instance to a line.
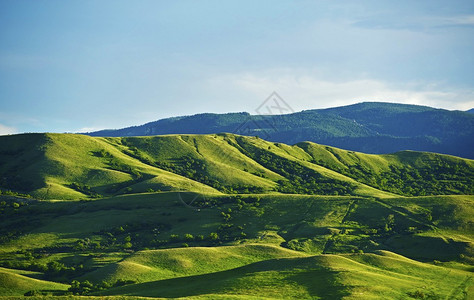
[69, 66]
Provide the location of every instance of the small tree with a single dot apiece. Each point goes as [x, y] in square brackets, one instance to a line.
[391, 220]
[33, 293]
[213, 236]
[80, 288]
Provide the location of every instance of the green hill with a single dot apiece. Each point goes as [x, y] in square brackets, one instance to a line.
[67, 166]
[155, 239]
[151, 265]
[231, 217]
[312, 224]
[363, 276]
[58, 166]
[13, 283]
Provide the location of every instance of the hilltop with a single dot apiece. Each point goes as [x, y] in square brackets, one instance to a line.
[369, 127]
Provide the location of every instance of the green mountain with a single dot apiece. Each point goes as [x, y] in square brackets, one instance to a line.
[369, 127]
[225, 216]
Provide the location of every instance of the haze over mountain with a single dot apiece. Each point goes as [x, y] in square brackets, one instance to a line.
[370, 127]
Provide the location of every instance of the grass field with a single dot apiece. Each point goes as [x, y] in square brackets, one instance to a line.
[230, 217]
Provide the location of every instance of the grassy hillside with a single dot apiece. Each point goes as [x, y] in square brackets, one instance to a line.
[66, 166]
[152, 265]
[155, 238]
[408, 173]
[228, 216]
[39, 232]
[59, 166]
[363, 276]
[13, 283]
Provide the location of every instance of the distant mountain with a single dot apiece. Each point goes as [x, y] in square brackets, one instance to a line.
[370, 127]
[471, 111]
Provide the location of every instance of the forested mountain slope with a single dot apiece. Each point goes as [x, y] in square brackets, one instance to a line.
[369, 127]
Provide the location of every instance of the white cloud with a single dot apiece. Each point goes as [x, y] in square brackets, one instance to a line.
[458, 20]
[4, 130]
[87, 129]
[308, 92]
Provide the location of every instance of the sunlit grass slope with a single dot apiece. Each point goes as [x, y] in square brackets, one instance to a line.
[151, 265]
[406, 172]
[357, 276]
[68, 166]
[13, 283]
[48, 164]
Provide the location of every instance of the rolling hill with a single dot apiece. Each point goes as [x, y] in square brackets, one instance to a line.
[225, 216]
[369, 127]
[68, 166]
[337, 241]
[363, 276]
[14, 283]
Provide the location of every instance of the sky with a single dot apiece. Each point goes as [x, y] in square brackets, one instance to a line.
[75, 66]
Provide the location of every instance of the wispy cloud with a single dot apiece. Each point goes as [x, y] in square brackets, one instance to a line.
[416, 23]
[456, 20]
[4, 130]
[87, 129]
[306, 91]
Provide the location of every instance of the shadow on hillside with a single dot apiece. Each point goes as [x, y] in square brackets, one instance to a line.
[424, 248]
[257, 279]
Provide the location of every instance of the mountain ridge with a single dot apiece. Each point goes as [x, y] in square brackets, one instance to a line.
[370, 127]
